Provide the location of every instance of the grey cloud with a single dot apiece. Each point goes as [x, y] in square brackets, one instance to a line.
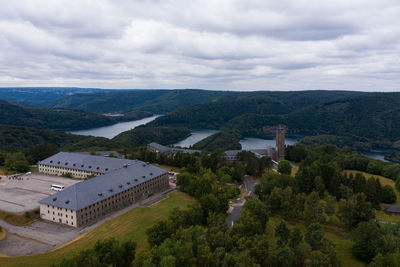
[238, 45]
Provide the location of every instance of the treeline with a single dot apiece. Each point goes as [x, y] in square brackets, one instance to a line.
[144, 135]
[346, 160]
[122, 101]
[56, 119]
[228, 171]
[219, 141]
[105, 253]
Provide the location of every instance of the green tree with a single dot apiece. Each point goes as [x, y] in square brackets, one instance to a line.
[314, 210]
[314, 236]
[355, 210]
[282, 232]
[284, 167]
[330, 205]
[366, 237]
[295, 237]
[388, 195]
[318, 259]
[17, 162]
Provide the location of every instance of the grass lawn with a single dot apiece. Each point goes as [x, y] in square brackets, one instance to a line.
[18, 219]
[3, 234]
[383, 180]
[382, 216]
[335, 234]
[129, 226]
[294, 171]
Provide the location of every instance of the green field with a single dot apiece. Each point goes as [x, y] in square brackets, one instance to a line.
[129, 226]
[18, 219]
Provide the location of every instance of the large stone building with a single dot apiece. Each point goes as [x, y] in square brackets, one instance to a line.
[90, 200]
[80, 165]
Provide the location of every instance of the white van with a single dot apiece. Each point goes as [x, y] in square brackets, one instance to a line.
[57, 187]
[28, 173]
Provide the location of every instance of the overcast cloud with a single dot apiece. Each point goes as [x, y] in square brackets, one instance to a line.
[210, 44]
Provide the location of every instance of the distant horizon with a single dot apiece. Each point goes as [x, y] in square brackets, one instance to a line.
[223, 90]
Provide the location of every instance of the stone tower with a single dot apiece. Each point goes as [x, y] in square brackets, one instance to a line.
[280, 142]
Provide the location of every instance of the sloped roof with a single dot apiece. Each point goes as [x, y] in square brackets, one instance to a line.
[85, 162]
[393, 209]
[88, 192]
[166, 149]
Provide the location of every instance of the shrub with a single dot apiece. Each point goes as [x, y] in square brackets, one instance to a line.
[388, 195]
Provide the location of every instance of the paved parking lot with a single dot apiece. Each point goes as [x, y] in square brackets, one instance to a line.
[23, 194]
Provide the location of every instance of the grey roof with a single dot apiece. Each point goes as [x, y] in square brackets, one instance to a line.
[85, 162]
[166, 149]
[393, 209]
[104, 154]
[161, 148]
[88, 192]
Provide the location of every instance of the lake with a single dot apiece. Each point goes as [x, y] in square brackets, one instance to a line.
[258, 143]
[195, 136]
[115, 129]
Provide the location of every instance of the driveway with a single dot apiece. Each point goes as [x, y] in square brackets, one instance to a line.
[248, 185]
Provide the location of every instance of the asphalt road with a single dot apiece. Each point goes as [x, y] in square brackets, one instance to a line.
[248, 185]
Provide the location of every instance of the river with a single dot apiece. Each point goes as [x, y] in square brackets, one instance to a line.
[195, 136]
[115, 129]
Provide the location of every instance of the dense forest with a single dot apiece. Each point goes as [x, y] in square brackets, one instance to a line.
[359, 121]
[154, 101]
[14, 138]
[143, 135]
[56, 119]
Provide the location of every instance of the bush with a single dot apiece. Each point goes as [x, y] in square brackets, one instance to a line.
[388, 195]
[27, 215]
[284, 167]
[67, 175]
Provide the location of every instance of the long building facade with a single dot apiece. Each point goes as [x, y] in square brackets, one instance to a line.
[88, 201]
[80, 165]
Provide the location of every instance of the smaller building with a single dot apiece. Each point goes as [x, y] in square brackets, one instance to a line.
[232, 154]
[155, 147]
[393, 209]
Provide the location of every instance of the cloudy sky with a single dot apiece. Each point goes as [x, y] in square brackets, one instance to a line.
[210, 44]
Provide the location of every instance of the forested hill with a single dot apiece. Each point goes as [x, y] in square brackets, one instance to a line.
[38, 95]
[367, 117]
[154, 101]
[216, 113]
[56, 119]
[14, 138]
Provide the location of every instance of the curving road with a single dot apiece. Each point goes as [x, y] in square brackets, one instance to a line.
[248, 185]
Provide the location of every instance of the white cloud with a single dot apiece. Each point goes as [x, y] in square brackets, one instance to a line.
[225, 44]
